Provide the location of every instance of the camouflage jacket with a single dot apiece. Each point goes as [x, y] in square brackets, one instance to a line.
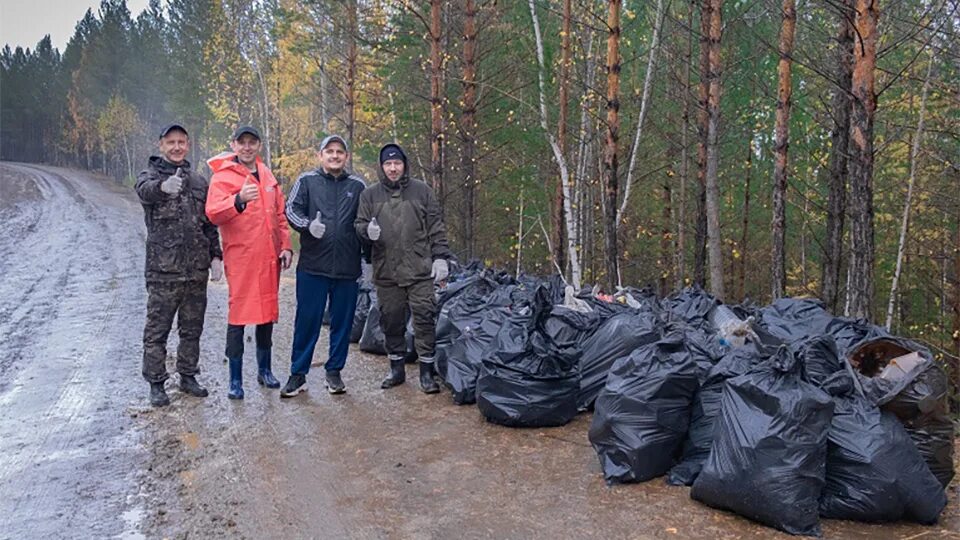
[180, 239]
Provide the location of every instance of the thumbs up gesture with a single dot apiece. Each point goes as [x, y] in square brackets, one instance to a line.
[317, 228]
[249, 191]
[373, 230]
[173, 183]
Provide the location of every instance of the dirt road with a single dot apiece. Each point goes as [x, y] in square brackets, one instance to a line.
[82, 455]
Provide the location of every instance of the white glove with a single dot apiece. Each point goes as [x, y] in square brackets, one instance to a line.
[317, 228]
[216, 269]
[373, 230]
[366, 272]
[173, 183]
[440, 270]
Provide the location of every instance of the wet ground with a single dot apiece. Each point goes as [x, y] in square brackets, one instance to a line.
[82, 455]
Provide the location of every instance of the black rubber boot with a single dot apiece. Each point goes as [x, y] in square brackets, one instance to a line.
[158, 396]
[398, 373]
[427, 384]
[236, 379]
[264, 374]
[189, 385]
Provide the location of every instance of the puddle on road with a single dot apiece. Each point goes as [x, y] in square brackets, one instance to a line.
[131, 523]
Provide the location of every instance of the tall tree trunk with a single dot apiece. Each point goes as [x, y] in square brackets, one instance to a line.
[744, 233]
[684, 158]
[559, 229]
[468, 152]
[665, 243]
[611, 255]
[840, 140]
[351, 99]
[436, 100]
[905, 221]
[558, 156]
[644, 101]
[714, 243]
[703, 119]
[780, 146]
[861, 160]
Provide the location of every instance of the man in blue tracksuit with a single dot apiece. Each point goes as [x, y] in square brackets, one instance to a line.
[322, 207]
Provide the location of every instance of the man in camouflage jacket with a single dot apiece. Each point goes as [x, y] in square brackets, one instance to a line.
[183, 248]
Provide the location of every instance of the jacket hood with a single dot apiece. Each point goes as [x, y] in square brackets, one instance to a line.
[227, 160]
[164, 166]
[405, 179]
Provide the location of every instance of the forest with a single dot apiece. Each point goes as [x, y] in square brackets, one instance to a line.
[756, 148]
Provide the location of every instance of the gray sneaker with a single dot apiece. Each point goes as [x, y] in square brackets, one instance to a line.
[335, 383]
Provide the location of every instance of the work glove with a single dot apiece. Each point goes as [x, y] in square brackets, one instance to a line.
[173, 183]
[366, 272]
[286, 259]
[440, 270]
[373, 230]
[216, 269]
[248, 191]
[317, 228]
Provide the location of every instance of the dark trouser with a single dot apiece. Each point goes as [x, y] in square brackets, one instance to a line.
[393, 317]
[312, 294]
[188, 301]
[264, 336]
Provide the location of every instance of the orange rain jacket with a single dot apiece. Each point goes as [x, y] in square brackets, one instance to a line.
[252, 239]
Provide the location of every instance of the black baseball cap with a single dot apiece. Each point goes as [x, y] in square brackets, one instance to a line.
[172, 127]
[237, 133]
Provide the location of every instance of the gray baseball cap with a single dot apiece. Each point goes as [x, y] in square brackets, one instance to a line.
[333, 138]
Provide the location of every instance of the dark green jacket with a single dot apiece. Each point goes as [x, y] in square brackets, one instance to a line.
[412, 231]
[180, 239]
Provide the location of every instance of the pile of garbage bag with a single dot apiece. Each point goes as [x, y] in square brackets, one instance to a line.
[784, 414]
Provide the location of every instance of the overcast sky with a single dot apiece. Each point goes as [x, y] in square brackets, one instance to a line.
[25, 22]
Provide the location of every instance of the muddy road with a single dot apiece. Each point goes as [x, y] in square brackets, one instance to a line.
[82, 455]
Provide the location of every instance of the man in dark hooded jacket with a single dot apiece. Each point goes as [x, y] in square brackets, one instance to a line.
[401, 218]
[183, 247]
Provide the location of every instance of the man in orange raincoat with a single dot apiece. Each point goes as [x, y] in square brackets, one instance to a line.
[246, 203]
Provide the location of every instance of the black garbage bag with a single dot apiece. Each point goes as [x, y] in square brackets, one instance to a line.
[691, 305]
[360, 314]
[524, 381]
[769, 455]
[874, 472]
[918, 398]
[464, 309]
[706, 409]
[465, 355]
[642, 413]
[792, 319]
[819, 356]
[615, 338]
[373, 341]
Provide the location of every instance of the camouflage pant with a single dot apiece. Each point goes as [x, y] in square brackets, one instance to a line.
[188, 301]
[393, 302]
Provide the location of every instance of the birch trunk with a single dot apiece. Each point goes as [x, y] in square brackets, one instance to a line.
[905, 221]
[575, 271]
[644, 101]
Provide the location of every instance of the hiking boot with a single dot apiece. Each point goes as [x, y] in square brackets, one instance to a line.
[335, 383]
[189, 385]
[264, 374]
[236, 378]
[398, 373]
[427, 384]
[295, 384]
[158, 396]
